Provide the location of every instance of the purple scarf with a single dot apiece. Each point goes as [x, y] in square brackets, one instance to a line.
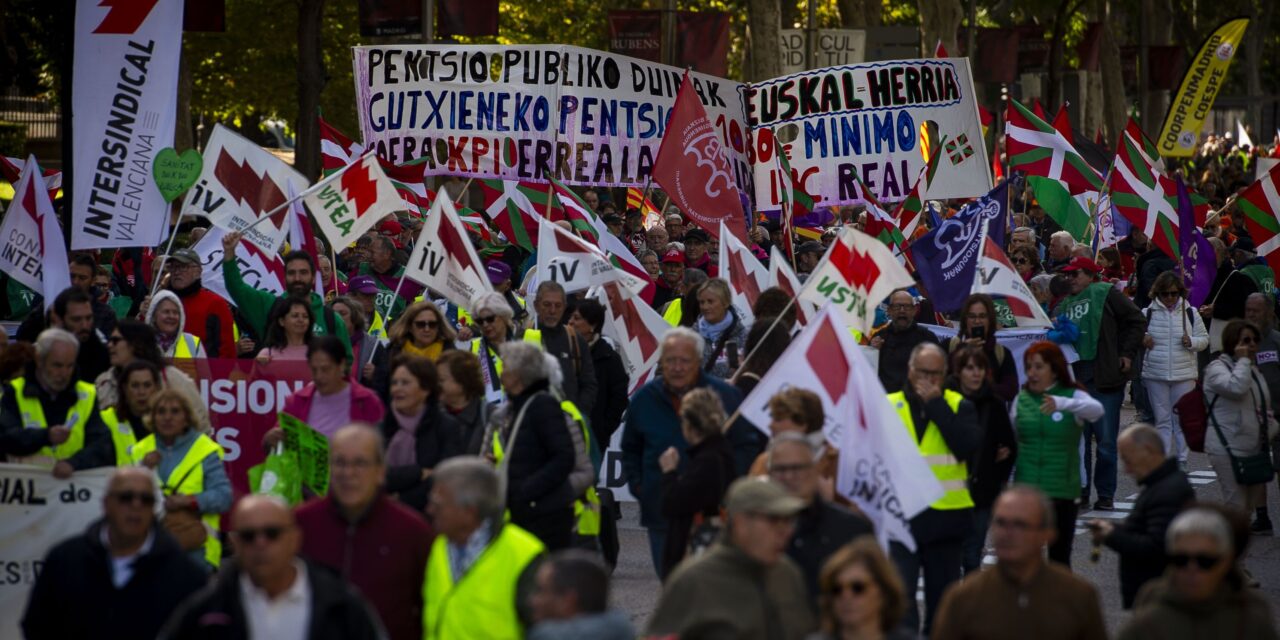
[401, 450]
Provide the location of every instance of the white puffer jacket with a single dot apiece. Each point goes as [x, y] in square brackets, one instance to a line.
[1168, 360]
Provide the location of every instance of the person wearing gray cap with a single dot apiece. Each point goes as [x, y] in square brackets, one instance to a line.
[807, 256]
[744, 586]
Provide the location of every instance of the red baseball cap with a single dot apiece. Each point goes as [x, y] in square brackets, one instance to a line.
[1081, 263]
[674, 255]
[390, 228]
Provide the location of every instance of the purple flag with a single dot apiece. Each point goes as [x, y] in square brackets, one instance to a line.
[1199, 265]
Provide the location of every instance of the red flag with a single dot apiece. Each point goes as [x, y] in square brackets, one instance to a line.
[940, 51]
[1038, 109]
[1062, 122]
[692, 168]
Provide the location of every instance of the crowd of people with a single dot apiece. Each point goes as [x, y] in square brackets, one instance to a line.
[466, 445]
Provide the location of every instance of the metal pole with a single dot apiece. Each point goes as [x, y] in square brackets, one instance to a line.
[669, 33]
[429, 21]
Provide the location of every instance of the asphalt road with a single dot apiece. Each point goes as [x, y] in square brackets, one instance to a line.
[636, 587]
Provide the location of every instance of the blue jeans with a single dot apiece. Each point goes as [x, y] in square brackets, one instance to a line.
[1101, 474]
[657, 545]
[976, 541]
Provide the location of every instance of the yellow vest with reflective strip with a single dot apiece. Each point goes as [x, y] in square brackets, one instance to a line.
[186, 346]
[122, 436]
[33, 417]
[493, 388]
[952, 474]
[482, 603]
[192, 467]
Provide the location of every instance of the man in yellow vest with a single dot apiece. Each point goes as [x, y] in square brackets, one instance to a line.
[48, 417]
[944, 427]
[477, 561]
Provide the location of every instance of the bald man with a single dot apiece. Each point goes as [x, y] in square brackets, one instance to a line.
[270, 593]
[377, 544]
[1165, 491]
[120, 578]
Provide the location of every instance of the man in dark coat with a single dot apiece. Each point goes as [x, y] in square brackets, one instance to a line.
[569, 348]
[268, 576]
[896, 340]
[120, 578]
[1139, 539]
[822, 527]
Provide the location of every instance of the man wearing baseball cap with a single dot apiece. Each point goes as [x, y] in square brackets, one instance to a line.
[745, 586]
[807, 256]
[1111, 329]
[671, 284]
[365, 291]
[696, 254]
[208, 316]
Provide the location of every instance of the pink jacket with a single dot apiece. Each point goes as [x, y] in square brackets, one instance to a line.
[365, 405]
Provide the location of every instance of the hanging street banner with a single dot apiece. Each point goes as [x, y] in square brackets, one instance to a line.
[517, 112]
[866, 121]
[38, 512]
[240, 182]
[124, 86]
[1189, 107]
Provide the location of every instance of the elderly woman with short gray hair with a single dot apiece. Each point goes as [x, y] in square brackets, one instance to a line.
[493, 317]
[533, 446]
[1202, 594]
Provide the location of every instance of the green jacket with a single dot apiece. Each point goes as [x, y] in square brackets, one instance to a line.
[1049, 445]
[255, 305]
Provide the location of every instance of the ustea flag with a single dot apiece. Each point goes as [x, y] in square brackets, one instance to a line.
[32, 252]
[881, 469]
[856, 273]
[125, 83]
[692, 168]
[349, 202]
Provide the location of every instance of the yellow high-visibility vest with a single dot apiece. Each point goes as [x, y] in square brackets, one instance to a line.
[482, 603]
[122, 436]
[186, 346]
[952, 473]
[493, 388]
[190, 474]
[33, 417]
[674, 312]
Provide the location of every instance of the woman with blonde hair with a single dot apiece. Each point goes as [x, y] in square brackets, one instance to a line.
[861, 595]
[720, 325]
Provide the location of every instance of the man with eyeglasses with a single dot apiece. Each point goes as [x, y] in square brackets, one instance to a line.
[944, 427]
[1023, 595]
[120, 578]
[372, 541]
[208, 316]
[270, 593]
[745, 586]
[897, 339]
[822, 527]
[1111, 329]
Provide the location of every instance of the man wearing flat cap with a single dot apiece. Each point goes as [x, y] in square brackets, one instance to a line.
[745, 586]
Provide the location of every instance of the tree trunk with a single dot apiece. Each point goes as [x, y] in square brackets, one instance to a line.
[1114, 101]
[859, 14]
[1260, 18]
[763, 40]
[1159, 21]
[183, 136]
[1053, 92]
[788, 12]
[311, 81]
[939, 20]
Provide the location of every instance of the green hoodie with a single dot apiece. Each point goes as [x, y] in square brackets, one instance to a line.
[255, 305]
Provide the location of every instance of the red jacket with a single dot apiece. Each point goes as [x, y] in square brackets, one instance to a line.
[209, 318]
[365, 405]
[384, 555]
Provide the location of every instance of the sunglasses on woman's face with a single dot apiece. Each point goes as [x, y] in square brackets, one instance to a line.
[425, 324]
[856, 587]
[1169, 294]
[1021, 261]
[486, 319]
[1204, 562]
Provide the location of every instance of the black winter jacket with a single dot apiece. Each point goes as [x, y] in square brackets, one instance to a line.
[1140, 538]
[895, 354]
[74, 596]
[698, 488]
[611, 401]
[821, 529]
[986, 476]
[438, 438]
[540, 460]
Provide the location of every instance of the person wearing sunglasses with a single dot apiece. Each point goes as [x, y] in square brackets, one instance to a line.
[860, 594]
[1022, 595]
[132, 340]
[123, 574]
[420, 331]
[1202, 594]
[1240, 422]
[269, 591]
[1175, 333]
[1026, 260]
[491, 313]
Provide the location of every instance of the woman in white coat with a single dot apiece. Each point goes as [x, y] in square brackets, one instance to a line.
[1175, 333]
[1240, 402]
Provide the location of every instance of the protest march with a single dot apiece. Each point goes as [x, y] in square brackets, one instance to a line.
[873, 325]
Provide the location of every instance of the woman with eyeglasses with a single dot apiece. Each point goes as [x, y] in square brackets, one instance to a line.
[861, 595]
[1048, 417]
[1175, 333]
[418, 433]
[493, 316]
[691, 496]
[1026, 261]
[978, 324]
[132, 340]
[421, 331]
[1240, 422]
[194, 481]
[719, 324]
[1202, 594]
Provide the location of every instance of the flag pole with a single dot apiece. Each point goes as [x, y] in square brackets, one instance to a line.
[155, 285]
[305, 192]
[386, 320]
[465, 188]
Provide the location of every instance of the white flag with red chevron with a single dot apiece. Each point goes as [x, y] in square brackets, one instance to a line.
[260, 270]
[33, 252]
[575, 263]
[744, 273]
[636, 330]
[996, 277]
[782, 277]
[443, 258]
[349, 202]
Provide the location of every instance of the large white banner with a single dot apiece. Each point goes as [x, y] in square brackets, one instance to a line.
[37, 511]
[1015, 340]
[515, 111]
[864, 121]
[125, 83]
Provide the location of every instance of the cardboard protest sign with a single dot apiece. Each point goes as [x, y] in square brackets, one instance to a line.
[867, 120]
[312, 450]
[37, 512]
[517, 111]
[125, 83]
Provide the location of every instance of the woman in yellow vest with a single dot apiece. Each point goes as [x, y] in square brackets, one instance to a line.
[167, 316]
[189, 466]
[493, 316]
[132, 340]
[139, 381]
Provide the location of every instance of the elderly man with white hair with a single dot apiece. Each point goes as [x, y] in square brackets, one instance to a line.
[49, 417]
[653, 425]
[1060, 252]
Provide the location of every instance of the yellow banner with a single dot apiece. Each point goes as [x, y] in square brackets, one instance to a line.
[1190, 105]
